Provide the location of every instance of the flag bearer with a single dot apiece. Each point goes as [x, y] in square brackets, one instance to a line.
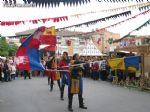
[76, 83]
[65, 75]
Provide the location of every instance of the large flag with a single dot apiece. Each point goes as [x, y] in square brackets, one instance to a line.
[28, 56]
[49, 36]
[117, 63]
[132, 61]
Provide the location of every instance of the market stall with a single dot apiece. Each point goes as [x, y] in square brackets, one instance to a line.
[144, 52]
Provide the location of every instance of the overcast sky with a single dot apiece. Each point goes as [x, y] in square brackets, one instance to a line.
[15, 14]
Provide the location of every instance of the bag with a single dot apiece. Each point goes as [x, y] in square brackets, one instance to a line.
[74, 86]
[57, 76]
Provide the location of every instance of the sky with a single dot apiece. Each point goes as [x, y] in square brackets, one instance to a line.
[26, 13]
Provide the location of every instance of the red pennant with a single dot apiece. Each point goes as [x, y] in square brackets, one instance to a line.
[17, 22]
[44, 20]
[3, 23]
[35, 21]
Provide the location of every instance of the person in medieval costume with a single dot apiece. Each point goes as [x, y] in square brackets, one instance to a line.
[48, 66]
[76, 82]
[65, 75]
[54, 74]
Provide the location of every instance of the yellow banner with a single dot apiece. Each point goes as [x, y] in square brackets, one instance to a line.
[117, 63]
[50, 31]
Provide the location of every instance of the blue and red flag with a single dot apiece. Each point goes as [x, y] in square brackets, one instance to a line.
[28, 54]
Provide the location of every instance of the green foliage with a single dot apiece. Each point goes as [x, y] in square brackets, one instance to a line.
[110, 40]
[7, 49]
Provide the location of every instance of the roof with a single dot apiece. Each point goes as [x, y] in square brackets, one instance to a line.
[26, 32]
[131, 36]
[145, 49]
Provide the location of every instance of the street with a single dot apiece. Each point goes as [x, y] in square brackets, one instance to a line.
[34, 96]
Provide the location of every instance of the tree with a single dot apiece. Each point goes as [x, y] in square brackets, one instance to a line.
[7, 49]
[12, 49]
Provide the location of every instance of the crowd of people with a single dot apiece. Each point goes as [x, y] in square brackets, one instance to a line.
[7, 70]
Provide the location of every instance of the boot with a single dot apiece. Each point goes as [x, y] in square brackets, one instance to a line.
[58, 82]
[81, 104]
[51, 88]
[82, 107]
[48, 81]
[70, 109]
[51, 85]
[62, 93]
[70, 103]
[61, 96]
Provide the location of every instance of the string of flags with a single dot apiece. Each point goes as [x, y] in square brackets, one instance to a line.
[48, 3]
[113, 25]
[64, 18]
[145, 7]
[55, 3]
[121, 1]
[141, 5]
[35, 21]
[137, 29]
[143, 25]
[127, 13]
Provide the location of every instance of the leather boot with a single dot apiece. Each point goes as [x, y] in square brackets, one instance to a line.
[81, 104]
[70, 97]
[62, 92]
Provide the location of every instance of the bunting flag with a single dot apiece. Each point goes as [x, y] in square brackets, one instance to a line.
[65, 18]
[143, 25]
[127, 13]
[54, 3]
[48, 3]
[140, 27]
[102, 29]
[145, 7]
[49, 36]
[120, 1]
[35, 21]
[114, 9]
[27, 55]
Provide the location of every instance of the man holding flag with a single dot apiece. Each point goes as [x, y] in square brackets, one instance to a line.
[28, 55]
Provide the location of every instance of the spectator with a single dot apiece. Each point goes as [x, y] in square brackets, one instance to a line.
[12, 71]
[103, 70]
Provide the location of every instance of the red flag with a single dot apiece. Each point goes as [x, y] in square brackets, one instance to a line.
[34, 43]
[48, 39]
[22, 60]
